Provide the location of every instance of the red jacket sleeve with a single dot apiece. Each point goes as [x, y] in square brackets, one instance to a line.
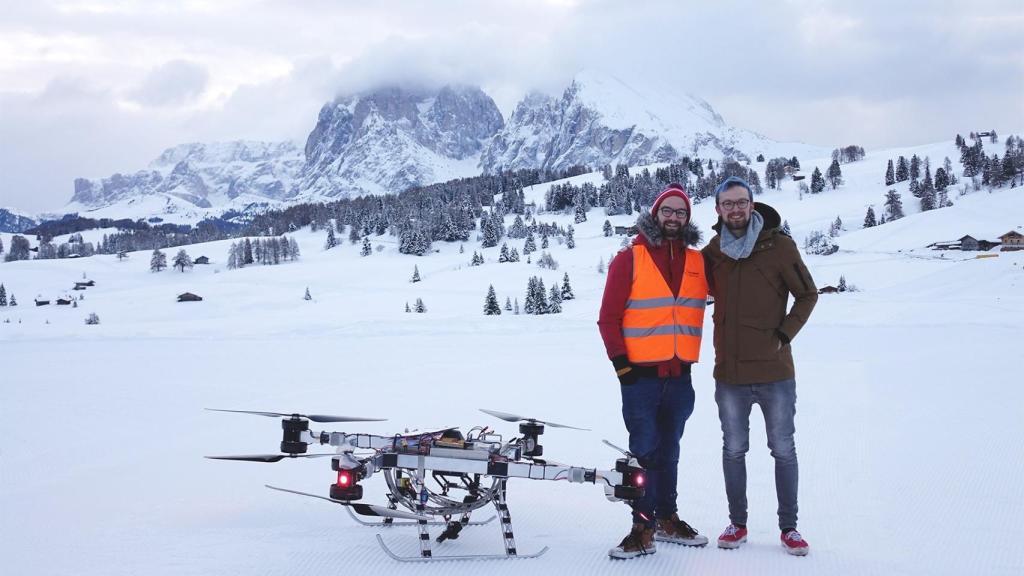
[613, 304]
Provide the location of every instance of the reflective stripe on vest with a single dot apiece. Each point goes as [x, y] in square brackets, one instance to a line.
[656, 325]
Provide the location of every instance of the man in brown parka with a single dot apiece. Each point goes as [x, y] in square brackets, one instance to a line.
[752, 268]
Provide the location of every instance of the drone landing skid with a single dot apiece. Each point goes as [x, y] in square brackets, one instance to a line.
[505, 556]
[386, 524]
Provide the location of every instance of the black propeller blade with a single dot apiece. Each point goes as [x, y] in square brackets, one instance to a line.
[358, 507]
[313, 417]
[266, 457]
[517, 418]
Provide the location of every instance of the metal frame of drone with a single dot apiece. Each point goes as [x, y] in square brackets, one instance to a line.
[454, 463]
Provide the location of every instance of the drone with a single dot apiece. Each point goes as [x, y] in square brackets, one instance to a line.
[439, 477]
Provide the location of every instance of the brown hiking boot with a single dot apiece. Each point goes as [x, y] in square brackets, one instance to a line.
[639, 542]
[678, 532]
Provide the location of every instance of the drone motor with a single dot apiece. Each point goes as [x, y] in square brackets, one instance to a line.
[531, 431]
[293, 429]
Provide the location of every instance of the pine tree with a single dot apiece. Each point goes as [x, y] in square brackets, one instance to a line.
[570, 238]
[902, 170]
[842, 283]
[530, 305]
[420, 306]
[503, 255]
[247, 254]
[835, 174]
[941, 179]
[541, 297]
[3, 295]
[817, 182]
[600, 266]
[530, 245]
[869, 218]
[158, 261]
[915, 167]
[307, 296]
[567, 293]
[182, 260]
[836, 227]
[785, 228]
[508, 304]
[893, 206]
[516, 309]
[332, 241]
[544, 242]
[366, 249]
[491, 307]
[14, 301]
[407, 309]
[416, 273]
[890, 174]
[555, 301]
[607, 229]
[581, 213]
[513, 255]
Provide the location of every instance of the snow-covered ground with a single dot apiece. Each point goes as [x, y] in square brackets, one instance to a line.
[910, 408]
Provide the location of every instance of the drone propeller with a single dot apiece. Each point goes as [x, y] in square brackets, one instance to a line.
[313, 417]
[625, 453]
[358, 507]
[268, 458]
[516, 418]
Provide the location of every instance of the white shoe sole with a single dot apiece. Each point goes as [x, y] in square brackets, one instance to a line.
[619, 554]
[697, 541]
[731, 545]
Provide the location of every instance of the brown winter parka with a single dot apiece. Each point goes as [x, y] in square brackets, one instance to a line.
[753, 329]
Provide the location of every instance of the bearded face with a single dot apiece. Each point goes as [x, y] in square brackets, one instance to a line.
[735, 207]
[672, 216]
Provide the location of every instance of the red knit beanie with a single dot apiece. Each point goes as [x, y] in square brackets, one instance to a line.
[673, 189]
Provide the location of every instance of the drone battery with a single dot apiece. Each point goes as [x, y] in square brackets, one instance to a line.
[463, 454]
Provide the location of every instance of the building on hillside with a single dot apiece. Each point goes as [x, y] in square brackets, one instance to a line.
[1012, 240]
[201, 260]
[626, 230]
[828, 290]
[189, 297]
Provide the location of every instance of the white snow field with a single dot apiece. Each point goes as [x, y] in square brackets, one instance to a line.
[909, 425]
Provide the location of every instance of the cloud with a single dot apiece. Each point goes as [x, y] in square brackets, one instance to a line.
[171, 84]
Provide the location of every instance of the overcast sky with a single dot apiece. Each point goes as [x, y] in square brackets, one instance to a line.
[93, 87]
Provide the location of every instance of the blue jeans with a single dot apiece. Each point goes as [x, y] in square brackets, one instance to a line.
[778, 404]
[655, 411]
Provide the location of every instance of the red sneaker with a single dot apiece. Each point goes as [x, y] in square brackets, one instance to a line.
[732, 537]
[794, 543]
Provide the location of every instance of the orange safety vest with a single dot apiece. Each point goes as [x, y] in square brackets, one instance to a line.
[658, 326]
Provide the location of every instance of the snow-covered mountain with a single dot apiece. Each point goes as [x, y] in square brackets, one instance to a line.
[393, 138]
[386, 140]
[190, 181]
[12, 221]
[600, 120]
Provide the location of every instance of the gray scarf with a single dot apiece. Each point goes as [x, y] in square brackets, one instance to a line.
[740, 247]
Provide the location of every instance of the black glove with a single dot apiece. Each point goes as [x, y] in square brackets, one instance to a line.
[624, 370]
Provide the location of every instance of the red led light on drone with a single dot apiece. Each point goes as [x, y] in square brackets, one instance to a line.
[344, 478]
[639, 480]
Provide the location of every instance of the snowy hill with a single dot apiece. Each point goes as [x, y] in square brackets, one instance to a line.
[909, 418]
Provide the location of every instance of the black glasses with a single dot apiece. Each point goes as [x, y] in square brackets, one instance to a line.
[730, 204]
[680, 213]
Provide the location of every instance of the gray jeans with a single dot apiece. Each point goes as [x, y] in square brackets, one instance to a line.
[778, 404]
